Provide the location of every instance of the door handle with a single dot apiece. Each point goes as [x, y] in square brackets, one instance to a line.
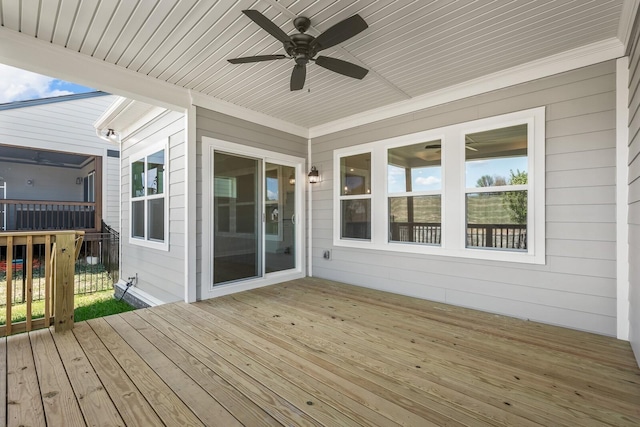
[293, 219]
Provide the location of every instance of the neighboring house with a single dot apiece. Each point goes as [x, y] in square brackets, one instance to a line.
[55, 172]
[491, 161]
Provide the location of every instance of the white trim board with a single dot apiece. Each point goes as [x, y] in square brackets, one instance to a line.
[627, 18]
[622, 197]
[26, 52]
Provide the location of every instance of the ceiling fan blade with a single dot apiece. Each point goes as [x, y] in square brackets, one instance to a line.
[260, 58]
[298, 77]
[470, 148]
[267, 25]
[342, 67]
[340, 32]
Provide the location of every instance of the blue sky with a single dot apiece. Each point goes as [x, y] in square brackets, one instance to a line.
[21, 85]
[430, 178]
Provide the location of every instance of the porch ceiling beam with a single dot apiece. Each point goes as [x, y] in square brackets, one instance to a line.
[28, 53]
[38, 56]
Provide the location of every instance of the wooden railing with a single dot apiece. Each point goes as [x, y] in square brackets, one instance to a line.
[61, 249]
[506, 236]
[31, 215]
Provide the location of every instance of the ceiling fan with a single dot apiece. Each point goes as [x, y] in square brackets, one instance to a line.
[303, 47]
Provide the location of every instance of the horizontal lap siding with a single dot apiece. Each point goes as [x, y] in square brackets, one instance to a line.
[634, 196]
[577, 285]
[160, 273]
[60, 126]
[220, 126]
[65, 126]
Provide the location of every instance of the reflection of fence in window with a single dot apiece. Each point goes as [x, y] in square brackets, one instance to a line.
[96, 268]
[426, 233]
[505, 236]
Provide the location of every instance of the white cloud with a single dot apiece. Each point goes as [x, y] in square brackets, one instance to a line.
[20, 85]
[428, 180]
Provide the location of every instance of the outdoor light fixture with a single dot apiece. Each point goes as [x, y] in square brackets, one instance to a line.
[111, 134]
[78, 181]
[292, 179]
[314, 175]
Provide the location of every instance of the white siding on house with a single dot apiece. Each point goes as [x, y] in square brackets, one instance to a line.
[160, 273]
[634, 196]
[227, 128]
[65, 126]
[576, 287]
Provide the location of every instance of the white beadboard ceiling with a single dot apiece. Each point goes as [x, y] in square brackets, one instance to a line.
[412, 47]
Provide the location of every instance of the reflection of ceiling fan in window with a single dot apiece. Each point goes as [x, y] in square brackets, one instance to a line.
[39, 159]
[438, 145]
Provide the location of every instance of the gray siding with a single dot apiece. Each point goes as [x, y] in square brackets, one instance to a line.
[577, 286]
[61, 126]
[160, 272]
[220, 126]
[634, 196]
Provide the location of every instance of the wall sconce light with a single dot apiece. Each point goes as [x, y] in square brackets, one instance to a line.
[112, 135]
[78, 181]
[314, 175]
[292, 179]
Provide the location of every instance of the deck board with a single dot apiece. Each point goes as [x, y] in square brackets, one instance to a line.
[313, 352]
[94, 401]
[132, 406]
[60, 404]
[206, 408]
[170, 409]
[24, 404]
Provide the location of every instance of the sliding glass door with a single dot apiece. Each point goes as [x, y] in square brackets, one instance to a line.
[253, 218]
[280, 217]
[236, 213]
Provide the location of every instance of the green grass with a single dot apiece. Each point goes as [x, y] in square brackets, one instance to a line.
[89, 306]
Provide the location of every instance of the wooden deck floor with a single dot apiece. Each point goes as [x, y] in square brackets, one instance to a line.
[313, 352]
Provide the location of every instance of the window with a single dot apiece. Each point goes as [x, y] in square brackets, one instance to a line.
[355, 196]
[496, 188]
[472, 190]
[149, 221]
[414, 187]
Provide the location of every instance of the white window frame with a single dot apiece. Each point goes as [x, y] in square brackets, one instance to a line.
[91, 187]
[143, 155]
[453, 190]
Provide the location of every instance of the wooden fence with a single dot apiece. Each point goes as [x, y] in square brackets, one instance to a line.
[61, 250]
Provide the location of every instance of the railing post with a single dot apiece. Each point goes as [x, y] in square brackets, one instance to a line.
[488, 236]
[64, 281]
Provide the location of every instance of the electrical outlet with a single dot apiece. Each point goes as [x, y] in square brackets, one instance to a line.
[326, 255]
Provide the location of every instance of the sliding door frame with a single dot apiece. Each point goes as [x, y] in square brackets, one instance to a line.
[209, 146]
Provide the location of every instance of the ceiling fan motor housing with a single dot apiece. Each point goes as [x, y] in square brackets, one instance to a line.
[301, 49]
